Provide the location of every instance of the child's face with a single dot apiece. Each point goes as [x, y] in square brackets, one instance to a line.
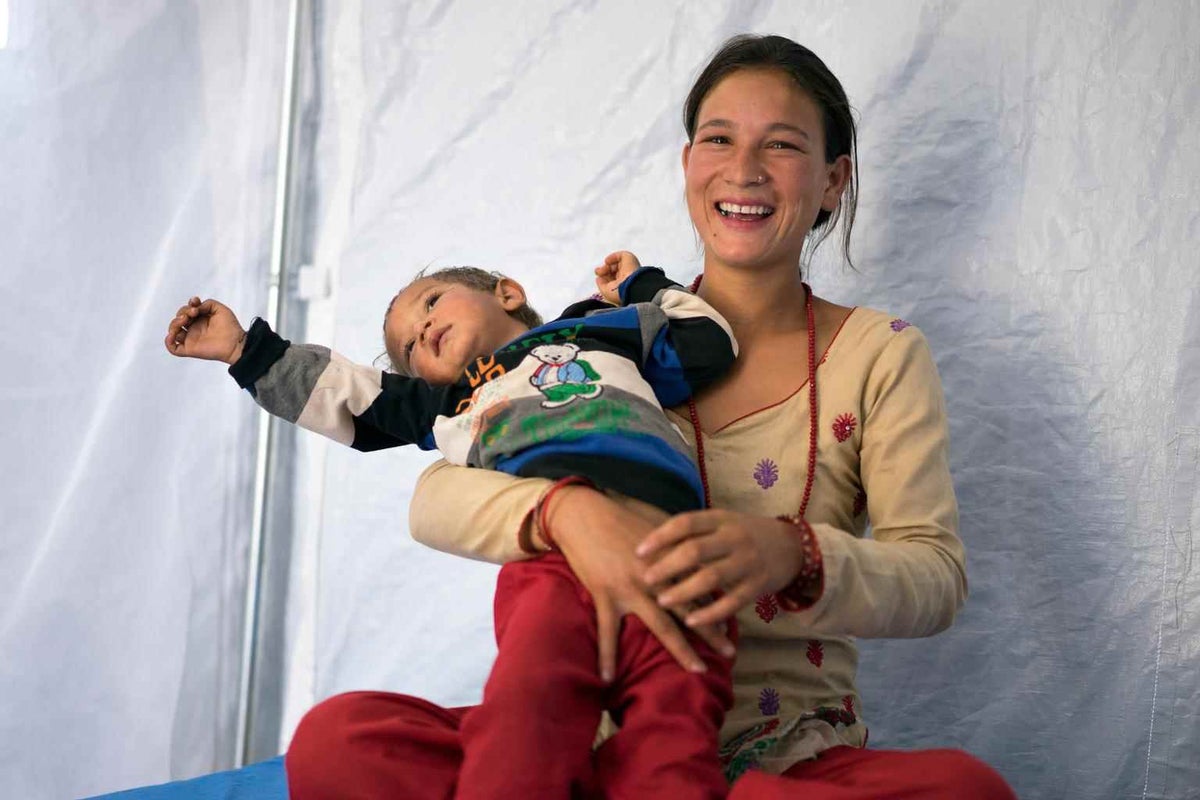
[437, 328]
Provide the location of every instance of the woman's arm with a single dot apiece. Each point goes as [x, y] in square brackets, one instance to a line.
[487, 515]
[908, 580]
[477, 513]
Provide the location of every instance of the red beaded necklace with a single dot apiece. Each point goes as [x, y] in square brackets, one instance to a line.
[812, 408]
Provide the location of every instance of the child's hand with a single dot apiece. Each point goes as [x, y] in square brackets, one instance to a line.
[205, 330]
[616, 268]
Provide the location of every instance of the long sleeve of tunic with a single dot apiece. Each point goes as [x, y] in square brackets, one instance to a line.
[882, 456]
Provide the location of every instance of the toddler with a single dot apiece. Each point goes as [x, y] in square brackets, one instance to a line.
[476, 375]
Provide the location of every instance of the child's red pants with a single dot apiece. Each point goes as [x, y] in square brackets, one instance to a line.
[532, 735]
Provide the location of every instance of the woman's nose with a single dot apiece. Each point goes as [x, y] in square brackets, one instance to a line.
[746, 168]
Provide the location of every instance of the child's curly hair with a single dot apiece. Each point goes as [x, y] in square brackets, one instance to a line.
[471, 277]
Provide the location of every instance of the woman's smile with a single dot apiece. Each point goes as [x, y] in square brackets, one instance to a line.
[744, 211]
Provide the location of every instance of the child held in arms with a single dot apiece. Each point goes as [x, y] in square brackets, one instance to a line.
[476, 375]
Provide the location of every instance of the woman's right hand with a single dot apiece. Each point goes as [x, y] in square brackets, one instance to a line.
[598, 537]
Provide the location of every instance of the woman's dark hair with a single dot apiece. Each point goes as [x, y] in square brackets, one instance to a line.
[748, 51]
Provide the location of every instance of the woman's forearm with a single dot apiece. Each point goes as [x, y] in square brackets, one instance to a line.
[485, 515]
[909, 578]
[476, 513]
[896, 589]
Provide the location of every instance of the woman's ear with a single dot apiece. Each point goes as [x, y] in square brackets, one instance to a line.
[510, 294]
[837, 174]
[687, 153]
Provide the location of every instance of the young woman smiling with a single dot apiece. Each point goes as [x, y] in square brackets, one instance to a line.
[831, 416]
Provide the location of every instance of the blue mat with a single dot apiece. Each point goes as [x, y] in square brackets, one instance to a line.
[262, 781]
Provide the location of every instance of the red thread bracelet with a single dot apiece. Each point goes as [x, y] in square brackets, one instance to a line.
[809, 584]
[539, 511]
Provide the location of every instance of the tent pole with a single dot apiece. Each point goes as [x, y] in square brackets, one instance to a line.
[263, 467]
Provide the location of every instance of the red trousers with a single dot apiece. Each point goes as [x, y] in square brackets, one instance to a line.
[532, 735]
[367, 745]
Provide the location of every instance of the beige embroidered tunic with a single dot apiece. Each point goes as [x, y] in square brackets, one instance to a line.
[881, 455]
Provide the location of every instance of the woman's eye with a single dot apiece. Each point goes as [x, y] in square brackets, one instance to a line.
[433, 298]
[782, 146]
[717, 139]
[408, 350]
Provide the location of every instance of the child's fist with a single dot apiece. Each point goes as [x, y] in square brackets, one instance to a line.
[616, 268]
[207, 330]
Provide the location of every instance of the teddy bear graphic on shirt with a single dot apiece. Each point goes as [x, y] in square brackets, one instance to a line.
[563, 377]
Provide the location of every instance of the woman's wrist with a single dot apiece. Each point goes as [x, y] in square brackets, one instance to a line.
[537, 533]
[808, 584]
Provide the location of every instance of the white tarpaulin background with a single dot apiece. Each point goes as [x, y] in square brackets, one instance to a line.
[1028, 181]
[137, 163]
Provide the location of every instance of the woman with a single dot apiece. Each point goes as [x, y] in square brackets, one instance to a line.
[796, 459]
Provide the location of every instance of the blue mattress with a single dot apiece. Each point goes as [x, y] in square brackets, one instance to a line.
[262, 781]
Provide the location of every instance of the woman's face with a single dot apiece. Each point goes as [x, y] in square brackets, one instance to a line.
[755, 171]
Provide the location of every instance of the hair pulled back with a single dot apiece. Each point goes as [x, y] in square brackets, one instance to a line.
[749, 51]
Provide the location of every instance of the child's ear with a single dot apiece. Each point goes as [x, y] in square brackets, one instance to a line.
[510, 294]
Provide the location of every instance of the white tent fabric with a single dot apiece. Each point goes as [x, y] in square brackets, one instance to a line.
[1026, 173]
[137, 149]
[1027, 177]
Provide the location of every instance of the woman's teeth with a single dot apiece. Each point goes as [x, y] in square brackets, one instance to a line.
[726, 209]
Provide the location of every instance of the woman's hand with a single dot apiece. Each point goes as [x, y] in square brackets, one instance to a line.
[598, 536]
[207, 330]
[694, 554]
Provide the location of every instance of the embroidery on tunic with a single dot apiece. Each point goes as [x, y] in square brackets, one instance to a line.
[744, 750]
[899, 325]
[766, 607]
[766, 473]
[815, 652]
[860, 502]
[837, 716]
[747, 759]
[768, 702]
[844, 426]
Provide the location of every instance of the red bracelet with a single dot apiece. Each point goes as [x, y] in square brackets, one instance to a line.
[809, 584]
[539, 511]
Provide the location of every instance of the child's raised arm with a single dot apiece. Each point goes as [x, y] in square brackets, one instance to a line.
[207, 330]
[616, 268]
[309, 385]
